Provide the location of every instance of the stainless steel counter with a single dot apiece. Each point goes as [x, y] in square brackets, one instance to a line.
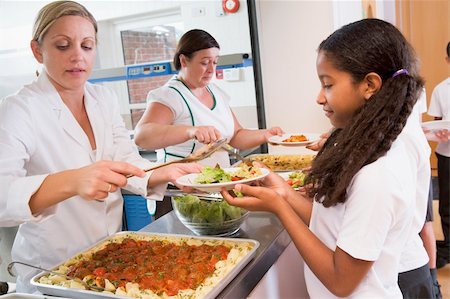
[260, 226]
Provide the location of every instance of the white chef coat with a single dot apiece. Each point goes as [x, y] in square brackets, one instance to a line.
[188, 110]
[372, 224]
[440, 107]
[414, 254]
[39, 136]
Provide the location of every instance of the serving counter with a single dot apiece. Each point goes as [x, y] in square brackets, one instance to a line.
[260, 226]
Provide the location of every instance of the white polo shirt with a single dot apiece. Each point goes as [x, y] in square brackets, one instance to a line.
[440, 107]
[372, 225]
[188, 110]
[414, 254]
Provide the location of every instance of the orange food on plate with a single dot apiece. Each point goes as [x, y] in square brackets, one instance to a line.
[296, 138]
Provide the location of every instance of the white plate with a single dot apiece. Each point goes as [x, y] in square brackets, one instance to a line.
[436, 125]
[189, 181]
[312, 137]
[285, 174]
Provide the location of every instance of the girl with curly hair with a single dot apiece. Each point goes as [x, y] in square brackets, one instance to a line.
[356, 217]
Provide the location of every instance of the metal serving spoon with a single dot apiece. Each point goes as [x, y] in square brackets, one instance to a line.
[89, 287]
[200, 154]
[232, 151]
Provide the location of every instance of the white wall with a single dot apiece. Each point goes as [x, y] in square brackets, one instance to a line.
[289, 34]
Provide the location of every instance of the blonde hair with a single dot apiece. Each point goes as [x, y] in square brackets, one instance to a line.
[48, 15]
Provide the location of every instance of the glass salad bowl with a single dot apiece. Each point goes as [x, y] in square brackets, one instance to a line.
[208, 216]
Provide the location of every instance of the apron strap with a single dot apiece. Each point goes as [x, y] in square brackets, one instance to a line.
[192, 122]
[207, 88]
[170, 154]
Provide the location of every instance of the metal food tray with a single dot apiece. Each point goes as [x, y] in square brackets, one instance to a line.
[282, 162]
[55, 290]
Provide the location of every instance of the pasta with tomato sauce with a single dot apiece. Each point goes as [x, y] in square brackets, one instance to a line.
[156, 267]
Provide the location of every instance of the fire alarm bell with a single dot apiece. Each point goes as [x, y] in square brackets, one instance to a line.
[230, 6]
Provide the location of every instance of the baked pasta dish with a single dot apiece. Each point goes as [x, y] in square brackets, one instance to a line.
[296, 138]
[153, 266]
[283, 162]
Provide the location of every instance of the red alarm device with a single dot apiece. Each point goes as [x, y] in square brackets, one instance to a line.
[230, 6]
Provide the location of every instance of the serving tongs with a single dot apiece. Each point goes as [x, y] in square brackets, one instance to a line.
[85, 284]
[232, 151]
[216, 196]
[200, 154]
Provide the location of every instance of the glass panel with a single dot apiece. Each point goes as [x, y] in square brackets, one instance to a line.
[152, 44]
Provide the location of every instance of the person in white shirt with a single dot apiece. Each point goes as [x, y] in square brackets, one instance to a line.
[440, 109]
[190, 110]
[414, 259]
[419, 253]
[357, 217]
[64, 150]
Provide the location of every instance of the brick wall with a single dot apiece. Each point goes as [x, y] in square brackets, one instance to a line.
[144, 47]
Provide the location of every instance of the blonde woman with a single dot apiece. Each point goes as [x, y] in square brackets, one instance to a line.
[64, 151]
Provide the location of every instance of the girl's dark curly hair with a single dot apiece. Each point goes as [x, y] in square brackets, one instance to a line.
[359, 48]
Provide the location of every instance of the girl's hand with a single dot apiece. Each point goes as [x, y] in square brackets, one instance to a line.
[272, 184]
[274, 181]
[256, 199]
[277, 184]
[204, 134]
[97, 180]
[172, 172]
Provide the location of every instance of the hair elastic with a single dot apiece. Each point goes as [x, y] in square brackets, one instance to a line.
[400, 72]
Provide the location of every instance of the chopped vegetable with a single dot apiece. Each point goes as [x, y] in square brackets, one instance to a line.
[297, 179]
[210, 175]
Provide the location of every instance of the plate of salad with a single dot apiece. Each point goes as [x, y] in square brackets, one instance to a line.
[295, 179]
[213, 179]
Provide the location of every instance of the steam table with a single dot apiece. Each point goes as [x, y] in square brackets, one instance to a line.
[260, 226]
